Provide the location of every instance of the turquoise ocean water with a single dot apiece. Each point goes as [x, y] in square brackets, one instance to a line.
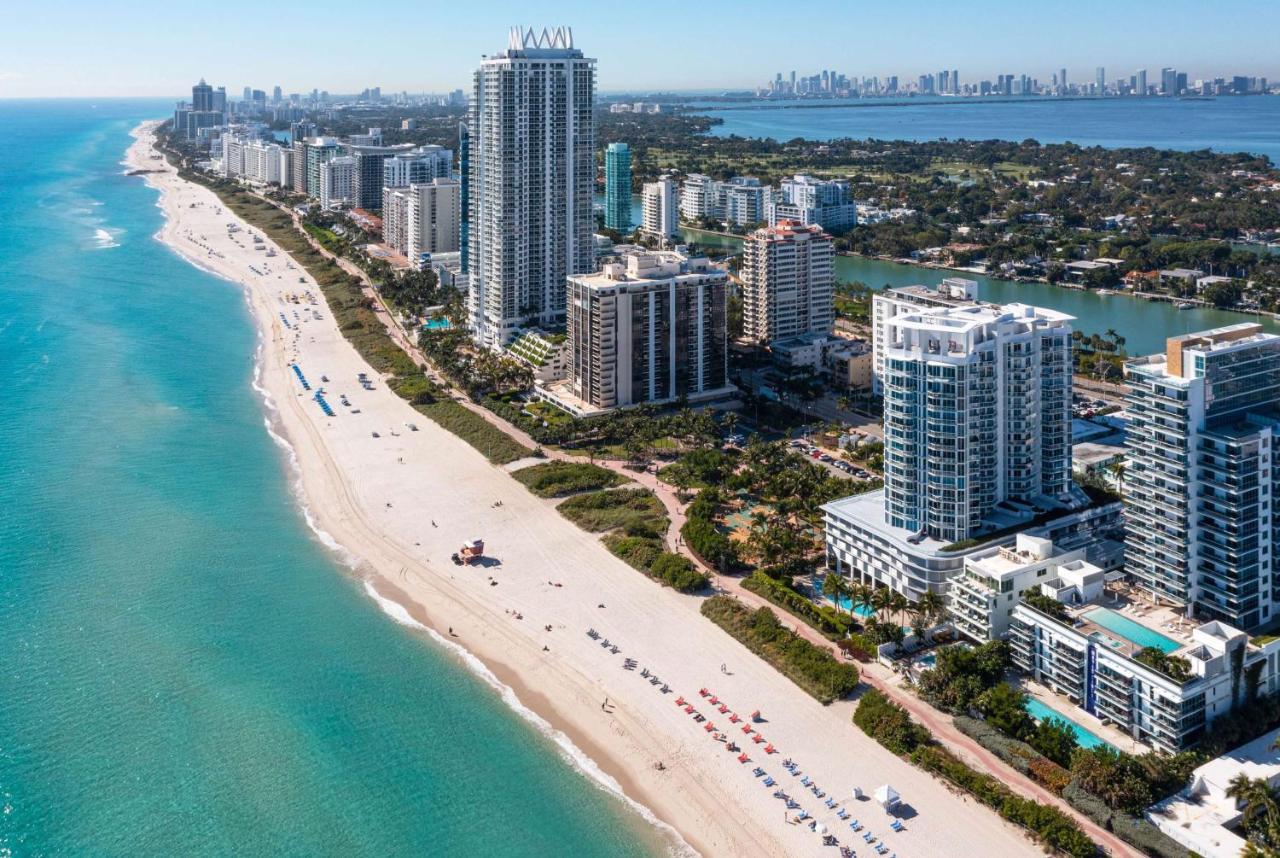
[185, 669]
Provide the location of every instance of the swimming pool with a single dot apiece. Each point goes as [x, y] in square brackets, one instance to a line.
[1126, 628]
[437, 325]
[1039, 711]
[846, 604]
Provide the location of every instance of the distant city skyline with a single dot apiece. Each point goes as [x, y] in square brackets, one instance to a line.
[158, 49]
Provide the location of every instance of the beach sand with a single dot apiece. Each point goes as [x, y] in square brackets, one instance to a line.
[399, 505]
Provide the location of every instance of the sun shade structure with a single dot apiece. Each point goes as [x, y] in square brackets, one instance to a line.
[887, 796]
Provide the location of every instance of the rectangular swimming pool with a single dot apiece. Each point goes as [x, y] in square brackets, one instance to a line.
[1126, 628]
[1039, 711]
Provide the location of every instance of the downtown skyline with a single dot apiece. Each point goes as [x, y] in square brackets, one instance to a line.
[147, 61]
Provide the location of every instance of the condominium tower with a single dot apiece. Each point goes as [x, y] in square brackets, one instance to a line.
[661, 212]
[617, 187]
[650, 326]
[1201, 477]
[886, 305]
[787, 281]
[531, 184]
[977, 412]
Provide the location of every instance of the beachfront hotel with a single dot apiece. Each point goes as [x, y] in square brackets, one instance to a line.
[977, 447]
[1202, 533]
[788, 279]
[1092, 657]
[650, 326]
[532, 179]
[951, 292]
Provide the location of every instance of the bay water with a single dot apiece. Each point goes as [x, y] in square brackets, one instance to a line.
[184, 668]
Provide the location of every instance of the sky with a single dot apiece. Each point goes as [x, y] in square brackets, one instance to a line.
[79, 48]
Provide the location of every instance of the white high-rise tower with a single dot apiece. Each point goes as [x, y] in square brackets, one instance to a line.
[532, 177]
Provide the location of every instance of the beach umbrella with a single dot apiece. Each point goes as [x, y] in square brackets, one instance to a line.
[819, 829]
[887, 796]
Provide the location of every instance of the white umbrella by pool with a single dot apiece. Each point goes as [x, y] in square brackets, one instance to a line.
[887, 796]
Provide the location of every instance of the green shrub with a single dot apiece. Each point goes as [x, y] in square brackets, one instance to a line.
[679, 573]
[812, 668]
[558, 479]
[824, 619]
[889, 724]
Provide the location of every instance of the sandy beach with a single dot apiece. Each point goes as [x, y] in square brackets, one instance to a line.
[398, 505]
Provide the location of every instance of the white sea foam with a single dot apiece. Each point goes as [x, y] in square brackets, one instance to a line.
[105, 239]
[568, 749]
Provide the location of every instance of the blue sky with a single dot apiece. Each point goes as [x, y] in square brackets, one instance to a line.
[82, 48]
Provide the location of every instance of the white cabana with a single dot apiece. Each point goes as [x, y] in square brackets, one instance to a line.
[887, 796]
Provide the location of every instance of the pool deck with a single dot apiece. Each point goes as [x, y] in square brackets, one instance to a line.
[1106, 732]
[1158, 618]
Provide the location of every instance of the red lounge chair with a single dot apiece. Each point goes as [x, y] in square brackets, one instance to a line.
[723, 708]
[688, 709]
[742, 758]
[680, 701]
[770, 749]
[734, 719]
[746, 728]
[713, 700]
[757, 738]
[708, 726]
[702, 692]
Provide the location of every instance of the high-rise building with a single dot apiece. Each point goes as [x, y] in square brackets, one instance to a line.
[661, 213]
[369, 181]
[417, 166]
[316, 152]
[787, 283]
[1062, 81]
[886, 305]
[1100, 76]
[336, 182]
[276, 95]
[464, 179]
[1201, 477]
[1141, 85]
[651, 326]
[202, 96]
[248, 95]
[220, 99]
[977, 413]
[1168, 81]
[698, 197]
[827, 203]
[744, 201]
[532, 182]
[422, 218]
[617, 187]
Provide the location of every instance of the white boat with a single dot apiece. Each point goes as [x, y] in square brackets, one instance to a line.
[1183, 305]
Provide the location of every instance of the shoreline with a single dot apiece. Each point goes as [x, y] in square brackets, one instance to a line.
[379, 522]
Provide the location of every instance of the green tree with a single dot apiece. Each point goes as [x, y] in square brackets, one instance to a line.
[1005, 708]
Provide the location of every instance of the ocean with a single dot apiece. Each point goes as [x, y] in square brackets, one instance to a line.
[1228, 124]
[186, 668]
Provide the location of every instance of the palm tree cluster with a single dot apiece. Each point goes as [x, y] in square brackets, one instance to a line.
[871, 602]
[478, 371]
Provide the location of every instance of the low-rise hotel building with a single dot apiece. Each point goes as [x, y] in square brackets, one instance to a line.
[1089, 657]
[981, 599]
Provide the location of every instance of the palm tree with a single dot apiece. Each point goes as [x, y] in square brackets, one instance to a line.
[864, 597]
[837, 587]
[1258, 800]
[933, 606]
[882, 599]
[898, 604]
[1117, 469]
